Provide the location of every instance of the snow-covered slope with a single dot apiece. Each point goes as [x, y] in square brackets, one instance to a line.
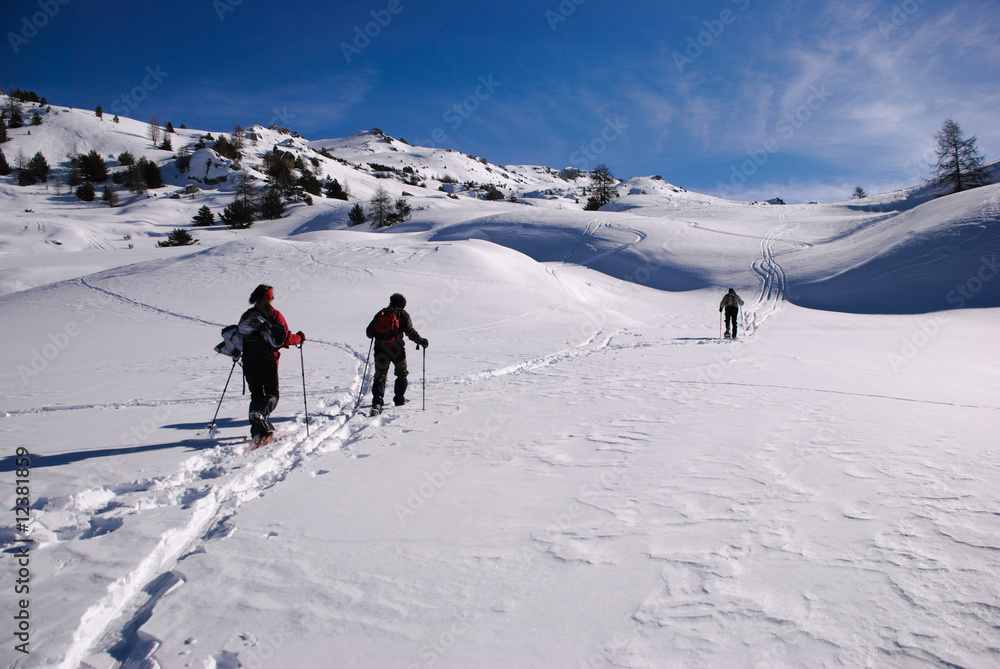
[597, 478]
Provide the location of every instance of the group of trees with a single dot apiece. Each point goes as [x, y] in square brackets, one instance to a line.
[384, 212]
[959, 165]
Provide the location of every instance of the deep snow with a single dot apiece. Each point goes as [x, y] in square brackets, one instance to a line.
[597, 480]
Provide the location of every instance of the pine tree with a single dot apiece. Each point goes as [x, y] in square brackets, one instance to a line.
[958, 161]
[5, 168]
[271, 206]
[204, 216]
[357, 215]
[237, 215]
[92, 167]
[859, 193]
[86, 192]
[35, 171]
[603, 186]
[3, 132]
[110, 196]
[401, 213]
[179, 237]
[379, 204]
[99, 113]
[335, 190]
[14, 117]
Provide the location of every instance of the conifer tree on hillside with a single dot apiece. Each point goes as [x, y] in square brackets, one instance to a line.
[99, 112]
[271, 206]
[86, 192]
[5, 168]
[603, 187]
[34, 171]
[13, 113]
[3, 132]
[335, 190]
[237, 215]
[92, 167]
[959, 163]
[179, 237]
[110, 195]
[380, 207]
[204, 217]
[859, 193]
[357, 215]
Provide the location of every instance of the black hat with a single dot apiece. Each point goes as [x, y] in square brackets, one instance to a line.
[397, 300]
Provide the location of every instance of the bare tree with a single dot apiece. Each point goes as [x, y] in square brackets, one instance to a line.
[154, 130]
[958, 160]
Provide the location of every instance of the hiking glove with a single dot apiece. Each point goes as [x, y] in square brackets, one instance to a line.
[423, 342]
[301, 336]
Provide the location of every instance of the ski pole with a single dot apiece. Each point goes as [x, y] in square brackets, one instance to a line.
[365, 374]
[211, 426]
[720, 324]
[423, 383]
[305, 404]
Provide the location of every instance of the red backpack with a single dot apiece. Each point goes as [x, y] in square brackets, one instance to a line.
[386, 325]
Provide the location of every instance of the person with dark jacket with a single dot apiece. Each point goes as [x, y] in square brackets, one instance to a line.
[387, 329]
[731, 302]
[260, 360]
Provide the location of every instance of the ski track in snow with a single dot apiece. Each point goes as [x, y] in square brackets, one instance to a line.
[772, 280]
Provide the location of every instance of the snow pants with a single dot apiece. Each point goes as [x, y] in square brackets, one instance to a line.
[262, 379]
[732, 314]
[386, 354]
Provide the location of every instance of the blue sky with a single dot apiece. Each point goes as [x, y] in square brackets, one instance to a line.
[749, 99]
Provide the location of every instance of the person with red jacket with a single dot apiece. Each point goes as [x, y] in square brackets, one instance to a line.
[260, 362]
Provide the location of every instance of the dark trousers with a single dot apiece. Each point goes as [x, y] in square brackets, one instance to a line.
[731, 317]
[262, 379]
[386, 354]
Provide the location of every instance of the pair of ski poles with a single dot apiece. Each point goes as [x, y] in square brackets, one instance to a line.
[305, 403]
[423, 378]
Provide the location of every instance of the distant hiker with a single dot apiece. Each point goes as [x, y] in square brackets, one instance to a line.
[264, 331]
[387, 329]
[731, 302]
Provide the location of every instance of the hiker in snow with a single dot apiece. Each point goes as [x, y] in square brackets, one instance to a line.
[264, 332]
[731, 302]
[387, 329]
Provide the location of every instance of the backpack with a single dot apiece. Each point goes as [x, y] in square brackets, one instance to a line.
[386, 325]
[260, 336]
[232, 342]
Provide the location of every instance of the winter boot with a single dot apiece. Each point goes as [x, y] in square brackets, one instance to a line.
[399, 391]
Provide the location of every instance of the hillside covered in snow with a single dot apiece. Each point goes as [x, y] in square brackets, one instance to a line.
[587, 474]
